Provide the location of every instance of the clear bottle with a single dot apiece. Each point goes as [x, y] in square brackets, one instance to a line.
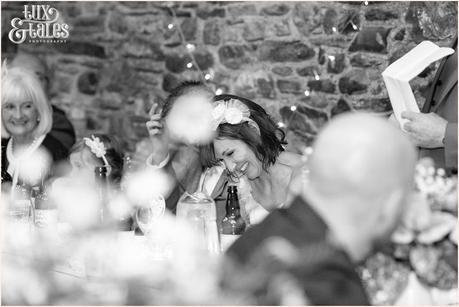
[101, 180]
[233, 225]
[44, 211]
[128, 169]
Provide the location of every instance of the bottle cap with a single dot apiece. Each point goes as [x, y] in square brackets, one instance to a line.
[232, 188]
[100, 169]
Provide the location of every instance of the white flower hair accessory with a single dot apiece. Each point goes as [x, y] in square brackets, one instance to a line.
[233, 112]
[97, 147]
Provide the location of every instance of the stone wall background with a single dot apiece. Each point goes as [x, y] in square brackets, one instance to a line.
[121, 57]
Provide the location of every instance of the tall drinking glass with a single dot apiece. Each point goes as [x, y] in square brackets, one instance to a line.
[20, 206]
[199, 211]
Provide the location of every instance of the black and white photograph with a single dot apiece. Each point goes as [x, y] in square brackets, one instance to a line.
[222, 153]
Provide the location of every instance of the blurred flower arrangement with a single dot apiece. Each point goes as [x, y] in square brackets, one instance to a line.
[422, 254]
[102, 268]
[79, 261]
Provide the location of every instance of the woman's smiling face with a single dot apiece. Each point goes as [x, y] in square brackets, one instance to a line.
[238, 157]
[20, 117]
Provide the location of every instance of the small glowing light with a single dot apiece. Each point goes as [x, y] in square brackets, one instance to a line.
[189, 65]
[331, 57]
[354, 26]
[308, 150]
[170, 26]
[366, 2]
[334, 29]
[190, 47]
[293, 108]
[441, 172]
[307, 93]
[219, 91]
[207, 76]
[316, 76]
[280, 125]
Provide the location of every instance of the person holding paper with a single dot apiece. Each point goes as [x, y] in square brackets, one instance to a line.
[434, 130]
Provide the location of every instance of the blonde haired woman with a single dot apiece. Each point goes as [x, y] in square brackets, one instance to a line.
[26, 123]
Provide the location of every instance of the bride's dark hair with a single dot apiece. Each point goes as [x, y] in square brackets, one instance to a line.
[267, 145]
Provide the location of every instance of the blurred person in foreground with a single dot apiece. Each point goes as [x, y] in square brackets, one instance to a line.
[62, 129]
[28, 148]
[360, 174]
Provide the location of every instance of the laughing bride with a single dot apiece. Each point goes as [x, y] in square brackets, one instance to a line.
[249, 147]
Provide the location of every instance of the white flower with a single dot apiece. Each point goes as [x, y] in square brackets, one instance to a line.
[233, 116]
[96, 146]
[218, 112]
[232, 112]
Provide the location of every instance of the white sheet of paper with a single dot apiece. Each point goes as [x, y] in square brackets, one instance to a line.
[397, 75]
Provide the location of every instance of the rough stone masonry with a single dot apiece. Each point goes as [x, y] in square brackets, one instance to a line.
[121, 57]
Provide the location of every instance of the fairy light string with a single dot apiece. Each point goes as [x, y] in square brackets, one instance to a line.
[190, 48]
[206, 76]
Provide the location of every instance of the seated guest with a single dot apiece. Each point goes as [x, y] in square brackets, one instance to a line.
[256, 143]
[166, 151]
[361, 171]
[250, 146]
[62, 128]
[26, 123]
[85, 156]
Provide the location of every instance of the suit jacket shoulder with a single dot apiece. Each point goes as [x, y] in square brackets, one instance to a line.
[325, 273]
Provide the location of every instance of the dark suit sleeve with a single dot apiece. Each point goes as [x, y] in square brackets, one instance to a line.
[451, 145]
[62, 128]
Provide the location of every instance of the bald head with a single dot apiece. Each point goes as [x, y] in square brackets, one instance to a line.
[361, 172]
[361, 155]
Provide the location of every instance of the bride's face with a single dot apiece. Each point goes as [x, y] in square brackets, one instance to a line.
[238, 158]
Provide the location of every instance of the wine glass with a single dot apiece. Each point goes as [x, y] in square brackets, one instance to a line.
[147, 215]
[147, 218]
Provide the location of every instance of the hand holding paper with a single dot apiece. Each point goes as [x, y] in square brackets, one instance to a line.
[427, 130]
[398, 74]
